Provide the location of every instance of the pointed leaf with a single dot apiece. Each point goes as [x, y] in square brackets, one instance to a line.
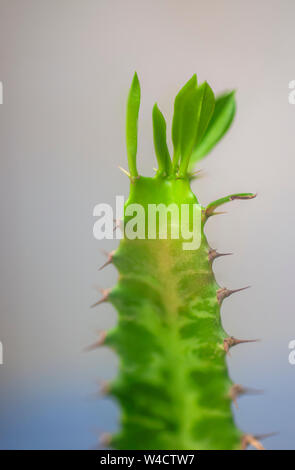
[188, 127]
[133, 104]
[161, 149]
[197, 112]
[206, 108]
[177, 116]
[221, 121]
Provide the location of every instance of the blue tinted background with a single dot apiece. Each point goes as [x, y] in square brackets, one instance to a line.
[66, 66]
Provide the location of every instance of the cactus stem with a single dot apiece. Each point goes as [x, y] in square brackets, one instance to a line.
[223, 293]
[98, 343]
[173, 390]
[231, 341]
[104, 298]
[213, 254]
[108, 261]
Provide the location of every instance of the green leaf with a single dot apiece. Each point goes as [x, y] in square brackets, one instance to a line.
[160, 143]
[188, 127]
[206, 104]
[222, 118]
[197, 112]
[178, 116]
[133, 104]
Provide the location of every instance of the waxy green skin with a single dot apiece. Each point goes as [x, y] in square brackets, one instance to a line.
[173, 386]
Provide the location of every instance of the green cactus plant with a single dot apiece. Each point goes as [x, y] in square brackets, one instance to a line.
[173, 386]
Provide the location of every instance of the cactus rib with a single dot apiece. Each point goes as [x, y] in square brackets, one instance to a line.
[173, 386]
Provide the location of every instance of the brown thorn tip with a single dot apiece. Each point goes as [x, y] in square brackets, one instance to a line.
[249, 440]
[231, 341]
[105, 297]
[105, 439]
[223, 292]
[108, 261]
[98, 343]
[213, 254]
[251, 196]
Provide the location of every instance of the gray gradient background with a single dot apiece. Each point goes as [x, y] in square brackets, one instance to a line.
[66, 68]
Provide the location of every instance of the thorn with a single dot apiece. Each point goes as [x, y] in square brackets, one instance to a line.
[118, 223]
[105, 297]
[249, 440]
[231, 341]
[109, 259]
[105, 439]
[218, 213]
[264, 436]
[98, 343]
[213, 254]
[103, 388]
[132, 178]
[223, 292]
[205, 215]
[125, 172]
[235, 392]
[238, 390]
[196, 174]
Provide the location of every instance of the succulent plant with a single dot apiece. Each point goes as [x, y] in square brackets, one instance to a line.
[173, 387]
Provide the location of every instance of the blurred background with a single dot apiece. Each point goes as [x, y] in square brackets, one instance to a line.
[66, 66]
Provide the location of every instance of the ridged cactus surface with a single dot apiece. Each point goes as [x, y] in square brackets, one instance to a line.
[173, 387]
